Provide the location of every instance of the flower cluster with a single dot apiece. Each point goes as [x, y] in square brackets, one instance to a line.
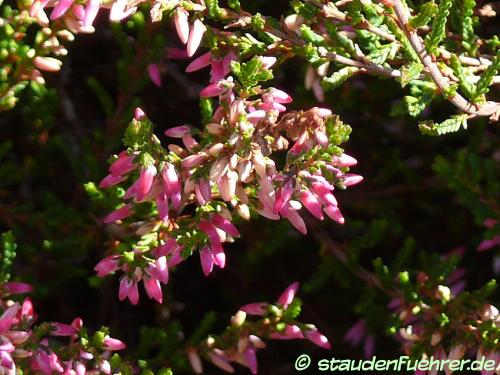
[441, 320]
[38, 348]
[239, 344]
[193, 190]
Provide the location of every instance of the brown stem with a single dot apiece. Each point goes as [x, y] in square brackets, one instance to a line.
[488, 109]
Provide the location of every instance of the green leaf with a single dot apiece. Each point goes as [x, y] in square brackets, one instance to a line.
[464, 77]
[207, 109]
[338, 78]
[234, 4]
[310, 36]
[427, 12]
[438, 31]
[410, 72]
[450, 125]
[293, 310]
[8, 246]
[213, 8]
[258, 21]
[484, 83]
[401, 38]
[249, 74]
[468, 35]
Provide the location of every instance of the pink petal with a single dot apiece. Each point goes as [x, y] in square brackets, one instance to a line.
[222, 223]
[199, 63]
[91, 10]
[195, 37]
[182, 24]
[288, 295]
[206, 259]
[154, 74]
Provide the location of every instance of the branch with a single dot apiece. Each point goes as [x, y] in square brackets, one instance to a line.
[488, 109]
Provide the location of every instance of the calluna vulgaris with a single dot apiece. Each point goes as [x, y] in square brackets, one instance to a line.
[188, 192]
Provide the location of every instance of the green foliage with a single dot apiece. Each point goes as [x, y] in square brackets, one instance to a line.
[8, 246]
[468, 35]
[213, 8]
[438, 32]
[207, 109]
[422, 93]
[470, 177]
[251, 73]
[464, 77]
[483, 85]
[338, 78]
[410, 72]
[305, 9]
[234, 4]
[451, 125]
[310, 36]
[427, 12]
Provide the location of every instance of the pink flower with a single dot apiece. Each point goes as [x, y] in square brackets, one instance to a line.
[288, 295]
[118, 11]
[220, 361]
[111, 180]
[107, 265]
[317, 338]
[162, 205]
[207, 228]
[219, 256]
[344, 160]
[128, 289]
[268, 61]
[296, 220]
[192, 161]
[118, 214]
[153, 289]
[61, 329]
[334, 213]
[222, 223]
[251, 360]
[112, 344]
[177, 131]
[258, 308]
[199, 63]
[206, 260]
[48, 363]
[138, 114]
[182, 24]
[91, 10]
[144, 182]
[168, 248]
[195, 36]
[214, 89]
[154, 74]
[48, 64]
[311, 203]
[289, 333]
[160, 270]
[14, 287]
[283, 197]
[37, 6]
[280, 96]
[352, 179]
[61, 7]
[125, 162]
[203, 192]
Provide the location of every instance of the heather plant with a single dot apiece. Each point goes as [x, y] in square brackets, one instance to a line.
[223, 129]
